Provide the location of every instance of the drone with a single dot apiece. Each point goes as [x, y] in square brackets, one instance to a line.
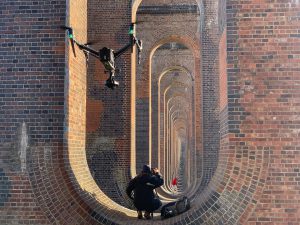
[106, 55]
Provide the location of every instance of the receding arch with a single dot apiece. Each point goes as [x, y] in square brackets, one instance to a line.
[136, 3]
[193, 45]
[176, 68]
[174, 102]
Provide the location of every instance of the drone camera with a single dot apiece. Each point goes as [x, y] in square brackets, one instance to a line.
[112, 83]
[107, 58]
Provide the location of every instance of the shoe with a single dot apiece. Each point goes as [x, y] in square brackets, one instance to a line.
[140, 214]
[147, 215]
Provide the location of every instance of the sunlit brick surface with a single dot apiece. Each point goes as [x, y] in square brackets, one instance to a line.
[215, 99]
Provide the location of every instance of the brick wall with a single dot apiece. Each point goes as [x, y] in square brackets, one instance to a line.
[31, 98]
[49, 150]
[108, 123]
[263, 66]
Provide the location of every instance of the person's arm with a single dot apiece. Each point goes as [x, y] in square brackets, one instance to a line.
[130, 188]
[156, 180]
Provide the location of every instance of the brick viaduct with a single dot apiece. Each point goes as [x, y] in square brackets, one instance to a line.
[214, 102]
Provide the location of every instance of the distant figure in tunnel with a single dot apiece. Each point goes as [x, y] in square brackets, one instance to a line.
[140, 190]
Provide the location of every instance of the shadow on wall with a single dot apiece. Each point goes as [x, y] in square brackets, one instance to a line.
[102, 161]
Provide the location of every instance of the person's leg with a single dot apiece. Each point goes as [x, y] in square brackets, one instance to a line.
[139, 209]
[147, 215]
[156, 203]
[140, 214]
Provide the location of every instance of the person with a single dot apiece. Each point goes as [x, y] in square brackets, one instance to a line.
[140, 190]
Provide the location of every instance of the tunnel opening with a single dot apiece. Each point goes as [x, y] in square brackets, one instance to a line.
[155, 125]
[105, 163]
[180, 126]
[175, 93]
[105, 139]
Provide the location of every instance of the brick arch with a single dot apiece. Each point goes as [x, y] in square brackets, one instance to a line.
[162, 124]
[180, 129]
[215, 185]
[181, 133]
[178, 95]
[61, 180]
[143, 90]
[194, 46]
[175, 68]
[163, 107]
[171, 153]
[97, 198]
[136, 3]
[172, 114]
[144, 87]
[110, 205]
[170, 69]
[91, 199]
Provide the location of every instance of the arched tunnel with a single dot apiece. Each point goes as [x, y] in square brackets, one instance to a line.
[212, 103]
[166, 113]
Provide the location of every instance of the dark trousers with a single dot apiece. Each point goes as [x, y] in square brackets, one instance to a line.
[149, 207]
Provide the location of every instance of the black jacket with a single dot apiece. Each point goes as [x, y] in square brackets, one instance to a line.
[142, 187]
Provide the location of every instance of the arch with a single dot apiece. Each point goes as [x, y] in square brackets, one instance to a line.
[172, 111]
[136, 3]
[194, 47]
[160, 77]
[185, 40]
[175, 68]
[173, 154]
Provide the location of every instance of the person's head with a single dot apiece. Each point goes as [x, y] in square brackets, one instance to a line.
[146, 169]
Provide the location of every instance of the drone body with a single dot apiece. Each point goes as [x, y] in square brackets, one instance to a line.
[106, 55]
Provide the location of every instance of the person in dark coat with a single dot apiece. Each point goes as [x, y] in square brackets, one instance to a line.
[140, 190]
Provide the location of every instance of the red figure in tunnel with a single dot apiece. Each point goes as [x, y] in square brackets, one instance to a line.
[174, 181]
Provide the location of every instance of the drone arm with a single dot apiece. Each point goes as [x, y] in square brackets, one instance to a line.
[135, 41]
[88, 49]
[122, 50]
[81, 46]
